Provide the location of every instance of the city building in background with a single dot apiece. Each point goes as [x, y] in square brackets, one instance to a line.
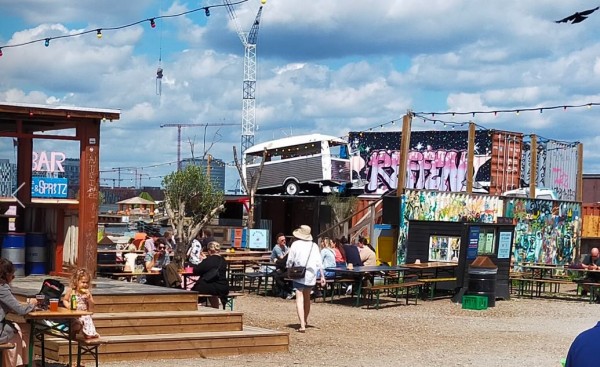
[214, 167]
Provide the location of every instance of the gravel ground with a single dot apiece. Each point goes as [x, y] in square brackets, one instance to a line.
[517, 332]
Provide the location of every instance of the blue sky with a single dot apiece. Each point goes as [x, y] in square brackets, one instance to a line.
[323, 66]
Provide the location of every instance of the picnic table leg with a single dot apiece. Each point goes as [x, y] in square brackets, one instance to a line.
[359, 290]
[31, 343]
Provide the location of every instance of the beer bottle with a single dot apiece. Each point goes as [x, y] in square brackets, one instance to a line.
[73, 302]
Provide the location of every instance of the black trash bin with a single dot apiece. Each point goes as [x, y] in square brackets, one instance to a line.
[482, 282]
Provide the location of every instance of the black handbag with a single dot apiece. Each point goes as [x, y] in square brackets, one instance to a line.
[298, 272]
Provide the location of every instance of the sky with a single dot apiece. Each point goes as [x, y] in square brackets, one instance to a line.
[323, 66]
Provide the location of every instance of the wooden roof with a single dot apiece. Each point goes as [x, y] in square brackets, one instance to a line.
[30, 118]
[136, 201]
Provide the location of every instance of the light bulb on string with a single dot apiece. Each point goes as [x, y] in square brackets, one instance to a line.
[207, 12]
[517, 112]
[263, 2]
[152, 23]
[589, 106]
[99, 33]
[0, 52]
[47, 42]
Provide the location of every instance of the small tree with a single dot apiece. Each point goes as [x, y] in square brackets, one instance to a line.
[342, 209]
[191, 201]
[250, 190]
[145, 195]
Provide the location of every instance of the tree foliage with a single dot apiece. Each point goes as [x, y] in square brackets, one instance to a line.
[145, 195]
[191, 201]
[342, 209]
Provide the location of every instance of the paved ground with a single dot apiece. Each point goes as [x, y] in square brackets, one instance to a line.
[518, 332]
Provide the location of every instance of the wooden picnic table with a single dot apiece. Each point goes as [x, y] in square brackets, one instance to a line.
[436, 266]
[361, 272]
[58, 323]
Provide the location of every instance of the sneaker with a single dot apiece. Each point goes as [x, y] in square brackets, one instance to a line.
[349, 290]
[291, 296]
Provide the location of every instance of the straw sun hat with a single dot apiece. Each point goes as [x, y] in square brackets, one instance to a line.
[303, 233]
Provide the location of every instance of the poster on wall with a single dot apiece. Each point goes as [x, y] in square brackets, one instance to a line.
[504, 244]
[444, 248]
[473, 242]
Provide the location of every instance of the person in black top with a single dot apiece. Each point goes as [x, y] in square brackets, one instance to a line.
[213, 278]
[591, 261]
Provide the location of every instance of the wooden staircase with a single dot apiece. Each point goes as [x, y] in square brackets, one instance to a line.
[156, 322]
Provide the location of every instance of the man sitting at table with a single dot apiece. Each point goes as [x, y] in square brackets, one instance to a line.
[280, 249]
[591, 261]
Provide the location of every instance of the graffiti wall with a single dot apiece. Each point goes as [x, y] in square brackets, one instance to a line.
[448, 207]
[546, 231]
[437, 160]
[556, 167]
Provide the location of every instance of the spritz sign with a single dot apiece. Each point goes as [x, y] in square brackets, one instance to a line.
[49, 187]
[47, 162]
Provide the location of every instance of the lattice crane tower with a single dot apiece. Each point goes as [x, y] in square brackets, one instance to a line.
[249, 83]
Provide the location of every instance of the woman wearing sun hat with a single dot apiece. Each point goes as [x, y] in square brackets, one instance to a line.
[304, 252]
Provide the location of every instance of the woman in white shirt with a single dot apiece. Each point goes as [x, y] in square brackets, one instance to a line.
[304, 252]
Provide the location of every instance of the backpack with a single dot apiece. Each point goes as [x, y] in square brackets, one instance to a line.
[51, 288]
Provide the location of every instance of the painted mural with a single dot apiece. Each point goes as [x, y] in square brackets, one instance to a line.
[437, 160]
[556, 167]
[448, 207]
[546, 231]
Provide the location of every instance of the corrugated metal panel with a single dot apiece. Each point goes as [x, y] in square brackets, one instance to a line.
[560, 170]
[274, 174]
[505, 162]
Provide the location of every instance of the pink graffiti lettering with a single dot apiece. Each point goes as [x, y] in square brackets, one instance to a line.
[441, 170]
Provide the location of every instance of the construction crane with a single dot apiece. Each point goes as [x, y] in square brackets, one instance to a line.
[249, 83]
[179, 126]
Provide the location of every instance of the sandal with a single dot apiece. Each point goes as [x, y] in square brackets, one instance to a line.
[301, 330]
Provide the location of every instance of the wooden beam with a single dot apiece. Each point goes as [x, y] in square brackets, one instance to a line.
[88, 195]
[579, 196]
[404, 148]
[470, 157]
[533, 167]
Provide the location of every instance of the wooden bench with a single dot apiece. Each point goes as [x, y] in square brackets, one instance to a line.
[229, 298]
[88, 346]
[3, 347]
[594, 290]
[430, 284]
[407, 286]
[538, 286]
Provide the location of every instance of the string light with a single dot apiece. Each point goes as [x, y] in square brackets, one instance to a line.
[98, 31]
[515, 111]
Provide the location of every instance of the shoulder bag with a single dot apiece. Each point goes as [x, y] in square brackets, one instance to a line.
[298, 272]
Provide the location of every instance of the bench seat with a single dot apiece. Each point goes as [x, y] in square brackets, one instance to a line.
[229, 298]
[407, 286]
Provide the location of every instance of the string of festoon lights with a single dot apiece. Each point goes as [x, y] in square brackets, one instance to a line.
[431, 116]
[98, 31]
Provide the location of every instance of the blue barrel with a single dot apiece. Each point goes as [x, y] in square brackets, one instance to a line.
[35, 253]
[13, 249]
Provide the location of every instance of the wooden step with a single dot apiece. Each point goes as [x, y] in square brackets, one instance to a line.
[185, 345]
[167, 322]
[183, 301]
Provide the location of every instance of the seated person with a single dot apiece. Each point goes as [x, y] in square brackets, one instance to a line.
[327, 257]
[367, 255]
[584, 348]
[280, 249]
[283, 288]
[352, 255]
[130, 260]
[591, 262]
[213, 279]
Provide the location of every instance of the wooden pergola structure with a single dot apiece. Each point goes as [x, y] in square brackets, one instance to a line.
[26, 122]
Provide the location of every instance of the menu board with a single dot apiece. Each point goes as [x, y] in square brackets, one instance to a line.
[504, 245]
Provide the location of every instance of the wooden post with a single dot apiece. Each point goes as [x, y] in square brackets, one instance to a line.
[533, 167]
[403, 159]
[470, 157]
[579, 196]
[89, 142]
